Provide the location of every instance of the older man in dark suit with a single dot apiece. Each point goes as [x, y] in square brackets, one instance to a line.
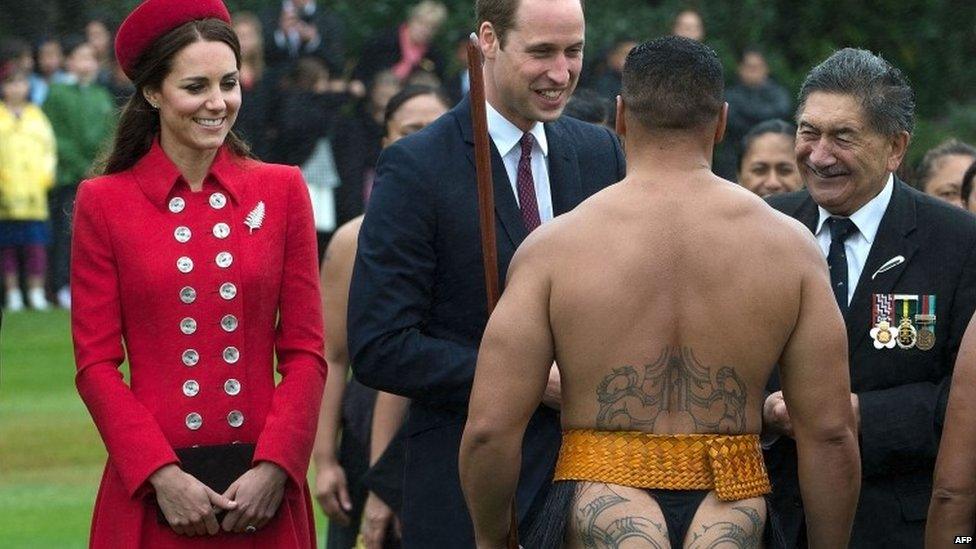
[903, 269]
[417, 303]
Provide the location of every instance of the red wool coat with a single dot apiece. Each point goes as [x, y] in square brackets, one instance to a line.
[205, 289]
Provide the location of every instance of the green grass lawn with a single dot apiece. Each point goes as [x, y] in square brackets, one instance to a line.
[51, 457]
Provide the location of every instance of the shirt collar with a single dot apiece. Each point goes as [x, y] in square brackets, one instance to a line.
[157, 174]
[507, 135]
[867, 218]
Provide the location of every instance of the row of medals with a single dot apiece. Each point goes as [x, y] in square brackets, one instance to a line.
[908, 336]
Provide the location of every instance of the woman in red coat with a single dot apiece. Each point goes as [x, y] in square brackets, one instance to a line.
[202, 262]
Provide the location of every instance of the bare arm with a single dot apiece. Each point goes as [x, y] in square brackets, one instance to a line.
[388, 415]
[513, 368]
[953, 504]
[331, 489]
[817, 389]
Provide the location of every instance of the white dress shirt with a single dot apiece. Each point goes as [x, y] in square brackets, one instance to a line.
[506, 137]
[857, 247]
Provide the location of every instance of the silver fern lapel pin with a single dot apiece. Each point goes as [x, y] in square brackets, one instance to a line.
[889, 265]
[255, 218]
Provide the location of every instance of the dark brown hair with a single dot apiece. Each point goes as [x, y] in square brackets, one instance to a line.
[501, 15]
[139, 122]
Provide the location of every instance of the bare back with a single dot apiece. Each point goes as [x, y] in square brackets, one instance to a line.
[689, 294]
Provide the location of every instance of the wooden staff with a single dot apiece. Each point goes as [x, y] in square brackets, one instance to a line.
[486, 202]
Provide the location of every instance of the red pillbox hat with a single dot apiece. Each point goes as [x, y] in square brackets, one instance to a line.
[154, 18]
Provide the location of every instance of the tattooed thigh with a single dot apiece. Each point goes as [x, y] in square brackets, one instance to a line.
[610, 516]
[727, 524]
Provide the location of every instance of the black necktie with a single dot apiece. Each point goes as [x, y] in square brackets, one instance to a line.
[841, 229]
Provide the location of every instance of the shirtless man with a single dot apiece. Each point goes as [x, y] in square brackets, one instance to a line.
[665, 300]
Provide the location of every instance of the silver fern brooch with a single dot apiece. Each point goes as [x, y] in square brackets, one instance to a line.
[255, 218]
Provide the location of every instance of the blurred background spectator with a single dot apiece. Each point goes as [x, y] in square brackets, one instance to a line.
[941, 171]
[406, 47]
[689, 23]
[307, 116]
[27, 160]
[589, 106]
[360, 136]
[298, 28]
[754, 98]
[257, 92]
[768, 163]
[82, 114]
[48, 68]
[607, 82]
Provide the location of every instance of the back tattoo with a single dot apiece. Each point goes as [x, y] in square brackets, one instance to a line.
[675, 386]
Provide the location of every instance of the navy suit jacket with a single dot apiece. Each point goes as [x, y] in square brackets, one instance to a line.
[902, 392]
[417, 306]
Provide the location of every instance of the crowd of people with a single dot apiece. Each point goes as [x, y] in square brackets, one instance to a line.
[147, 112]
[309, 102]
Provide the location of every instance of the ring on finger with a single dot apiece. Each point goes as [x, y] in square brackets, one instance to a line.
[250, 529]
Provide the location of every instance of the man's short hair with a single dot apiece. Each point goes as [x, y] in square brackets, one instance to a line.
[949, 147]
[673, 83]
[881, 89]
[501, 15]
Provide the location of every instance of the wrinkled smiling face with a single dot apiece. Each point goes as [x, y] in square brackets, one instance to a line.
[842, 160]
[531, 77]
[199, 98]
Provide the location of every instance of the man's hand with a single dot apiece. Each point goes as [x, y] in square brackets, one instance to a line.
[332, 492]
[776, 418]
[258, 494]
[377, 519]
[552, 397]
[187, 503]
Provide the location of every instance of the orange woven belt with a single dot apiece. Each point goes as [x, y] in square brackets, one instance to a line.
[731, 465]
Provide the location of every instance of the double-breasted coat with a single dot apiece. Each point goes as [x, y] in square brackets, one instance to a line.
[200, 292]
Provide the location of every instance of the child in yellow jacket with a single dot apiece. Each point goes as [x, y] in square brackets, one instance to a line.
[27, 164]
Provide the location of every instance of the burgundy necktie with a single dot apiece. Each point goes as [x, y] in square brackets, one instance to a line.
[526, 185]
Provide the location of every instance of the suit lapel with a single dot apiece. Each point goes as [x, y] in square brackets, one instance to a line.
[564, 176]
[506, 207]
[894, 239]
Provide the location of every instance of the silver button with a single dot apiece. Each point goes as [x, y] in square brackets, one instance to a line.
[188, 326]
[184, 264]
[182, 234]
[191, 388]
[228, 290]
[218, 201]
[188, 295]
[191, 357]
[224, 259]
[228, 323]
[235, 418]
[221, 230]
[231, 355]
[232, 387]
[176, 204]
[194, 421]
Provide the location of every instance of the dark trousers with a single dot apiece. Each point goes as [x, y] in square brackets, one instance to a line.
[61, 201]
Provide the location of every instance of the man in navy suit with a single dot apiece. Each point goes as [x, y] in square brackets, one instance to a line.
[903, 269]
[417, 305]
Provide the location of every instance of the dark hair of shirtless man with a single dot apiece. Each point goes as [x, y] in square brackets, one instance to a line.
[655, 300]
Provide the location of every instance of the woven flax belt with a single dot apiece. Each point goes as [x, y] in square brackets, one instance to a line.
[731, 465]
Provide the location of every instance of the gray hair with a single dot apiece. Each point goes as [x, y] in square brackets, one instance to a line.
[882, 89]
